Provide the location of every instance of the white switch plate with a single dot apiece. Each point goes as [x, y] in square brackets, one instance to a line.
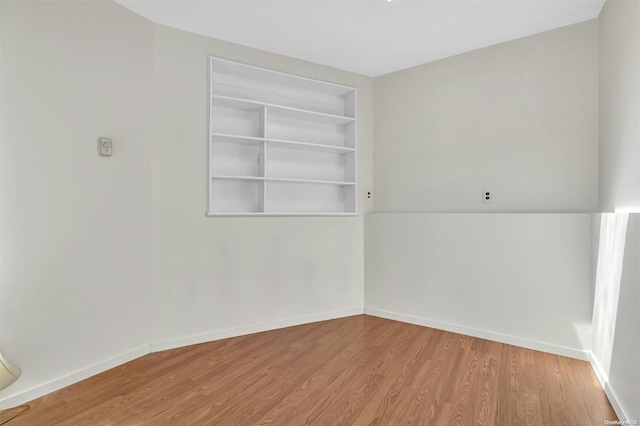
[106, 146]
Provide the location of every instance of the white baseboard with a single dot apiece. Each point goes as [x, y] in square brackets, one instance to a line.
[517, 341]
[85, 373]
[72, 378]
[482, 334]
[163, 345]
[604, 381]
[158, 346]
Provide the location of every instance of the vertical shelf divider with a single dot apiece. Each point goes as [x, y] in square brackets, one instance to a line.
[210, 138]
[262, 157]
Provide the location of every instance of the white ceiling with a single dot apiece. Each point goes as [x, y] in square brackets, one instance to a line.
[371, 37]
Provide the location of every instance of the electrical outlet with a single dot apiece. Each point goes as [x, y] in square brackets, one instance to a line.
[486, 196]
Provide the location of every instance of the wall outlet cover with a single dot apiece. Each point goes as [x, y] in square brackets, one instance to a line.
[106, 146]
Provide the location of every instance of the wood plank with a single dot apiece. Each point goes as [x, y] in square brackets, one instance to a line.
[355, 370]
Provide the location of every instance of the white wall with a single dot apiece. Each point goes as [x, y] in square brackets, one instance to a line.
[616, 321]
[619, 99]
[519, 118]
[212, 274]
[102, 256]
[75, 258]
[616, 318]
[523, 279]
[624, 374]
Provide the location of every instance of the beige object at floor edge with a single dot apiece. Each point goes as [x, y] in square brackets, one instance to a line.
[9, 373]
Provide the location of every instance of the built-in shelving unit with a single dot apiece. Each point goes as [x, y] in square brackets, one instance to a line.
[279, 144]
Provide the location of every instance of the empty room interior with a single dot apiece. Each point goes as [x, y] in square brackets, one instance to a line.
[320, 212]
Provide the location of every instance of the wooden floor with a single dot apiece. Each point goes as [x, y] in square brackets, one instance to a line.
[355, 371]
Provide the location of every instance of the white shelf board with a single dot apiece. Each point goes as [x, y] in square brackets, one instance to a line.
[279, 143]
[258, 214]
[239, 178]
[283, 180]
[225, 66]
[236, 103]
[320, 182]
[226, 138]
[281, 110]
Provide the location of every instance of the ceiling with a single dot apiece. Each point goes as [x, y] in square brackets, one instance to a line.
[370, 37]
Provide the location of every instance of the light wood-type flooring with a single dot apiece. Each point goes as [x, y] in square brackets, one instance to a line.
[359, 370]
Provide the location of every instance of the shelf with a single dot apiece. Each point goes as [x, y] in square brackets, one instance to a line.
[250, 72]
[278, 143]
[280, 110]
[283, 180]
[236, 103]
[226, 138]
[239, 178]
[260, 214]
[319, 182]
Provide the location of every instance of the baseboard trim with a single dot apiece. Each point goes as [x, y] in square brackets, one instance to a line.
[72, 378]
[57, 384]
[604, 382]
[163, 345]
[482, 334]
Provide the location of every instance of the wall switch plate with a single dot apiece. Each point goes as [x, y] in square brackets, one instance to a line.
[486, 196]
[106, 146]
